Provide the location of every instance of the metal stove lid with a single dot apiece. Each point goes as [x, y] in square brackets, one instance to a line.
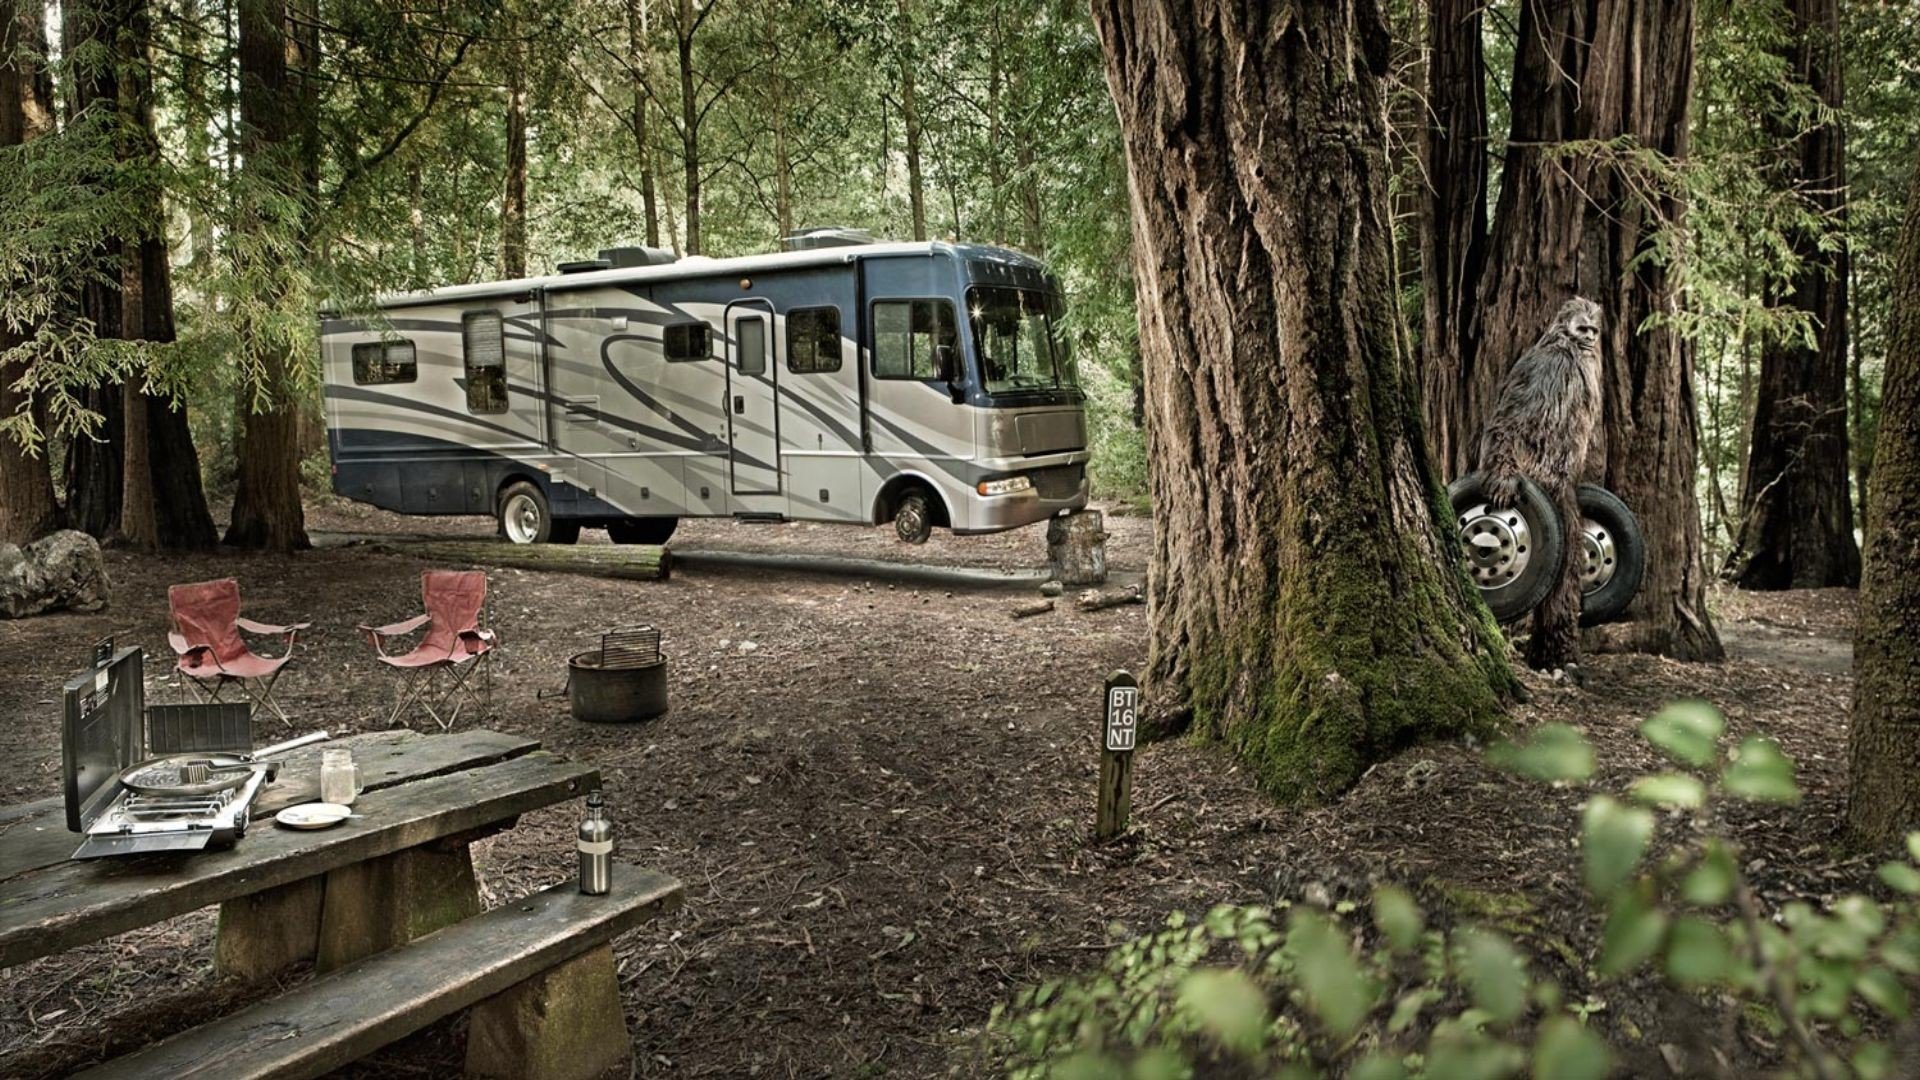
[100, 734]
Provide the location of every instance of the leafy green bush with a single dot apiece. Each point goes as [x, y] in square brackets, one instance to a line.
[1379, 993]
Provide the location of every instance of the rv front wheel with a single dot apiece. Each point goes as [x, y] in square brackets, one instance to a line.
[913, 521]
[525, 517]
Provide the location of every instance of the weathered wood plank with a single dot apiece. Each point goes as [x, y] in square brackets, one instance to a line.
[565, 1023]
[62, 906]
[341, 1017]
[37, 836]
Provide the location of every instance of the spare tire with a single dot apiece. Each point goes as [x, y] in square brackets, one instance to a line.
[1513, 555]
[1613, 555]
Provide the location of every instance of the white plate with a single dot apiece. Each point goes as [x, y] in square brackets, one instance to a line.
[313, 815]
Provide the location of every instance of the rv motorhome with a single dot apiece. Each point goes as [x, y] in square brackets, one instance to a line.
[926, 384]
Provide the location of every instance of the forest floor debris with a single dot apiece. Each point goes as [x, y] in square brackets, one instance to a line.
[882, 811]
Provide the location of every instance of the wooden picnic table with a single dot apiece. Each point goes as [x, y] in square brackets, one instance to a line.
[537, 974]
[397, 870]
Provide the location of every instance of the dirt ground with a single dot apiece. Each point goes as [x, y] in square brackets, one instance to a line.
[880, 797]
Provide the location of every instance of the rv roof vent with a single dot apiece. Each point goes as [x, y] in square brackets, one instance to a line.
[634, 255]
[831, 236]
[583, 266]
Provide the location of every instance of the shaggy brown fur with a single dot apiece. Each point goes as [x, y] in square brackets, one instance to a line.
[1540, 429]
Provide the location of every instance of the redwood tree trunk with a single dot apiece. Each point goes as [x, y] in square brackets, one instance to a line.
[1796, 528]
[910, 117]
[513, 205]
[27, 506]
[1453, 237]
[638, 64]
[266, 503]
[1572, 225]
[1306, 600]
[1883, 799]
[690, 119]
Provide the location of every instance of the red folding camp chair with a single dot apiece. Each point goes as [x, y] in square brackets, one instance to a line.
[436, 672]
[211, 653]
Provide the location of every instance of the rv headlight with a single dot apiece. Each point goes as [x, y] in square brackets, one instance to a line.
[1010, 486]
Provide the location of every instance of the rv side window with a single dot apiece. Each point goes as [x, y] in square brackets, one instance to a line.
[688, 341]
[376, 362]
[906, 335]
[813, 340]
[484, 343]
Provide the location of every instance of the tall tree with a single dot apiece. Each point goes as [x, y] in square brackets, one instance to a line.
[1796, 528]
[1453, 237]
[27, 505]
[910, 116]
[639, 62]
[1883, 798]
[1596, 84]
[1307, 607]
[513, 204]
[270, 225]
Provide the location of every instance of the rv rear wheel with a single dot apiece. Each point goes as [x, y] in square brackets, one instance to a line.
[525, 517]
[913, 520]
[648, 530]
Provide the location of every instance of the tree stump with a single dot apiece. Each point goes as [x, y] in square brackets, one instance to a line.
[565, 1024]
[1077, 548]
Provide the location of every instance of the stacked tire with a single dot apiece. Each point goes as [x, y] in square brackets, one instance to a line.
[1514, 553]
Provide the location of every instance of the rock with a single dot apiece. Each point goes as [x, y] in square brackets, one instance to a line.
[59, 572]
[1052, 588]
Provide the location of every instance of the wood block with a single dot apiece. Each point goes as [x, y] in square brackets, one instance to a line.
[371, 907]
[262, 934]
[563, 1024]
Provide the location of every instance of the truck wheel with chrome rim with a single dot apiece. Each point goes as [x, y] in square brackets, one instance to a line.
[525, 517]
[1613, 555]
[913, 519]
[1512, 554]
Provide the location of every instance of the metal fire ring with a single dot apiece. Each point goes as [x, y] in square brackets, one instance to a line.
[1498, 545]
[1599, 560]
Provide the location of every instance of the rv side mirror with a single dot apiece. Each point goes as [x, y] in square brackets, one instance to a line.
[946, 361]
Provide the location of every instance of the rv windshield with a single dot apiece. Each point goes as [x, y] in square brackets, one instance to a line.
[1021, 339]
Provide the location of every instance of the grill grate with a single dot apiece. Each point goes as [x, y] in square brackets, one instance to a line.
[631, 647]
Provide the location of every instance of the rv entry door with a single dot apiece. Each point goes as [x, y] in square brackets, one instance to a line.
[752, 422]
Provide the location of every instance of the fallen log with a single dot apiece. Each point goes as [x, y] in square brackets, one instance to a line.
[1036, 607]
[634, 562]
[1095, 600]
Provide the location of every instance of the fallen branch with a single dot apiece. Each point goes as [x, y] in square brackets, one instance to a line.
[1036, 607]
[1094, 600]
[635, 562]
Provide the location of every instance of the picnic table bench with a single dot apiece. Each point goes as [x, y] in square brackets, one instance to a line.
[386, 906]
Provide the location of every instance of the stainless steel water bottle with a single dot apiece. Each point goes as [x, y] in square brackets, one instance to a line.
[596, 849]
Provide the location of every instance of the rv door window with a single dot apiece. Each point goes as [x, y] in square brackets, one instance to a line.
[376, 362]
[906, 334]
[687, 341]
[813, 340]
[483, 341]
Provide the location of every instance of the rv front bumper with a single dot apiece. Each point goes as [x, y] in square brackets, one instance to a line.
[1053, 489]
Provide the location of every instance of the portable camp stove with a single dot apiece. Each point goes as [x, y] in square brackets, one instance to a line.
[196, 794]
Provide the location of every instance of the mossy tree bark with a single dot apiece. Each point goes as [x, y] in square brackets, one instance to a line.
[1306, 599]
[27, 505]
[1796, 519]
[274, 145]
[1883, 798]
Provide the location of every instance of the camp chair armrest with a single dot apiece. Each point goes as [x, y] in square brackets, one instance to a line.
[377, 635]
[252, 627]
[181, 648]
[476, 641]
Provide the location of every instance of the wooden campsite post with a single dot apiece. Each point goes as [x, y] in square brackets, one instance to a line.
[1116, 755]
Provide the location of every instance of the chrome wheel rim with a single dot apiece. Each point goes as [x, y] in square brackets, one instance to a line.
[521, 517]
[911, 522]
[1498, 545]
[1599, 559]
